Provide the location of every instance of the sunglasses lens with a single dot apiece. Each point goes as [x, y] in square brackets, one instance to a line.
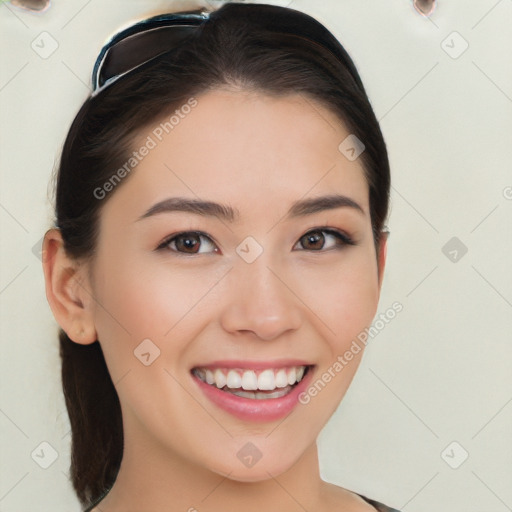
[138, 48]
[150, 38]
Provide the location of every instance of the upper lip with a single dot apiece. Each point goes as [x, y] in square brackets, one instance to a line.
[253, 365]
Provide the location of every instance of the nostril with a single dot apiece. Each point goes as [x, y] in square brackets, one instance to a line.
[425, 7]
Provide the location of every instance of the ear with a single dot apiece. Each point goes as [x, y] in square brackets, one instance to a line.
[383, 250]
[68, 290]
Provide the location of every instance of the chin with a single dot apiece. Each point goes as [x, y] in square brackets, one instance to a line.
[257, 473]
[251, 465]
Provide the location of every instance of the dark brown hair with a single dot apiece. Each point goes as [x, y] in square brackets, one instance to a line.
[241, 46]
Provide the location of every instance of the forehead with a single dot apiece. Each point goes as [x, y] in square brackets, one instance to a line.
[246, 149]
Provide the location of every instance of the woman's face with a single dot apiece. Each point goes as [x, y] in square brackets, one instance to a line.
[276, 281]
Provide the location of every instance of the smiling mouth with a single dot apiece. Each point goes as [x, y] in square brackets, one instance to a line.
[257, 385]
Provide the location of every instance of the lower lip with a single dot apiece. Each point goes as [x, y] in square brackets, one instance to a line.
[253, 409]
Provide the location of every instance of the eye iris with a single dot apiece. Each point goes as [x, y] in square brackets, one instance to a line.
[313, 240]
[188, 243]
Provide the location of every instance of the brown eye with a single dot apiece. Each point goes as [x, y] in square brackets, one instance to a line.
[190, 243]
[319, 239]
[314, 240]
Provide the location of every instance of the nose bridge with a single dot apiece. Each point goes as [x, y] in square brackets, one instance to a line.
[259, 300]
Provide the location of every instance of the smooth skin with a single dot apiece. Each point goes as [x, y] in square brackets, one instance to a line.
[257, 154]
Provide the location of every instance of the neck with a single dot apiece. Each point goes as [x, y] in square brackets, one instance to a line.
[153, 478]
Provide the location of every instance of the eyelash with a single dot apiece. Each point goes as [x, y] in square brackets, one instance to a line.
[342, 240]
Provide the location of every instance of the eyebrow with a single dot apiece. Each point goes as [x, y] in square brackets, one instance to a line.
[300, 208]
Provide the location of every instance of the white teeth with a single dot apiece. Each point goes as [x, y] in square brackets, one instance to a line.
[220, 378]
[280, 380]
[249, 380]
[260, 395]
[234, 380]
[292, 376]
[210, 379]
[266, 380]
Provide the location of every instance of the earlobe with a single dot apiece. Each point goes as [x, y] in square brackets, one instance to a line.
[67, 290]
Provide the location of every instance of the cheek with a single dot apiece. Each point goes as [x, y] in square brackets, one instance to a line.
[345, 299]
[140, 299]
[343, 296]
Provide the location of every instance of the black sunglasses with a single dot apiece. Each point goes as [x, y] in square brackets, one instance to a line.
[149, 38]
[142, 42]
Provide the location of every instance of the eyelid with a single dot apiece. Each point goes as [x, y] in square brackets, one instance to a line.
[335, 231]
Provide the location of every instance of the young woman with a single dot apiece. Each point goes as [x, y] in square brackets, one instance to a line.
[219, 244]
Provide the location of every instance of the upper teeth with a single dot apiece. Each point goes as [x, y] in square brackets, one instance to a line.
[251, 380]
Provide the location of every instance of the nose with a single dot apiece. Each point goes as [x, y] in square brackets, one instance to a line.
[259, 300]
